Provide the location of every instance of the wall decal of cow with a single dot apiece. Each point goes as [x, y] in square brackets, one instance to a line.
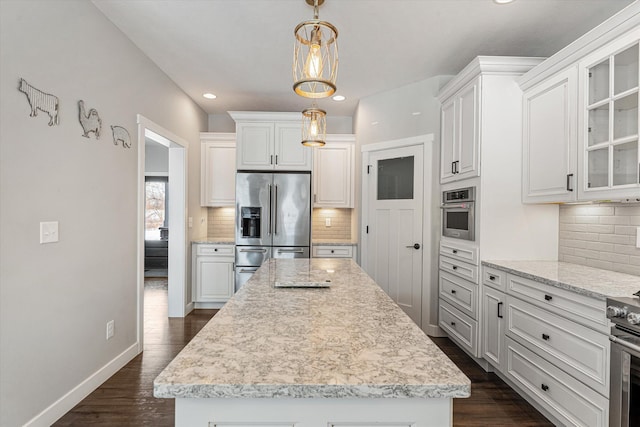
[39, 100]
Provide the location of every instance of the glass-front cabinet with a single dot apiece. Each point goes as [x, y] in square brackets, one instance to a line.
[609, 124]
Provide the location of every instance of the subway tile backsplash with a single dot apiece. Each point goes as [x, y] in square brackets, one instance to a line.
[221, 223]
[340, 228]
[602, 236]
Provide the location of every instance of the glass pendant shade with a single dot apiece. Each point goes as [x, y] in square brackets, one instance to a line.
[315, 58]
[314, 127]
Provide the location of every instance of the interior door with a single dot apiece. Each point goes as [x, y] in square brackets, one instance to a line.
[394, 237]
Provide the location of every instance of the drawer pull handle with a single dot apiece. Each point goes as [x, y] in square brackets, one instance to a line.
[215, 250]
[332, 251]
[455, 267]
[453, 324]
[548, 297]
[500, 311]
[544, 387]
[453, 291]
[546, 337]
[454, 251]
[492, 277]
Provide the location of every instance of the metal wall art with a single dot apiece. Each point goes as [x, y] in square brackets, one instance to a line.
[122, 135]
[39, 100]
[90, 121]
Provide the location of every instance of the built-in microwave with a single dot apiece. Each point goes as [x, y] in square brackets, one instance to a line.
[458, 213]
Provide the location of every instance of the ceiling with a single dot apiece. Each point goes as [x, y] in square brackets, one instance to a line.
[242, 50]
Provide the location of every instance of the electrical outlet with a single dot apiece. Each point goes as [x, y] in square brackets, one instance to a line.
[111, 329]
[190, 222]
[327, 222]
[48, 232]
[638, 237]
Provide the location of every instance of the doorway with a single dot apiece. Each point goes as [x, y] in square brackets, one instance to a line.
[398, 243]
[176, 210]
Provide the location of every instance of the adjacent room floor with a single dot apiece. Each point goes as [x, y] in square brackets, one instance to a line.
[126, 399]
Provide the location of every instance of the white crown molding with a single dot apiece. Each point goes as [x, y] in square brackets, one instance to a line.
[625, 20]
[265, 116]
[489, 65]
[217, 136]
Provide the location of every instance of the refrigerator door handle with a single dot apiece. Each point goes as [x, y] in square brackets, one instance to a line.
[270, 210]
[275, 212]
[290, 251]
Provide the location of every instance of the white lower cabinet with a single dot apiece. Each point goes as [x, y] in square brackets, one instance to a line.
[213, 274]
[493, 321]
[567, 399]
[333, 251]
[549, 343]
[460, 327]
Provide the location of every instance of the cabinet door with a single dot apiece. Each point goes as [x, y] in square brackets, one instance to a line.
[333, 176]
[468, 164]
[214, 279]
[218, 173]
[608, 121]
[493, 326]
[255, 142]
[289, 152]
[447, 144]
[550, 140]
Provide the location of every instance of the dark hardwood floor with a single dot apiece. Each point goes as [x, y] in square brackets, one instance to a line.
[126, 399]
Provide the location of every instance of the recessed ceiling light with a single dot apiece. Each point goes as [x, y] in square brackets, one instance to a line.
[416, 113]
[338, 98]
[209, 95]
[374, 123]
[503, 1]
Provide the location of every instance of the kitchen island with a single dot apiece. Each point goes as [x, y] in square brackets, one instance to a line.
[340, 354]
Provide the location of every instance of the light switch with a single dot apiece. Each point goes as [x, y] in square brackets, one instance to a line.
[48, 232]
[190, 222]
[327, 222]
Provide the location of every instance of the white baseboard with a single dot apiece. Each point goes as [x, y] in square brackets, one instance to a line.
[82, 390]
[209, 305]
[189, 308]
[435, 331]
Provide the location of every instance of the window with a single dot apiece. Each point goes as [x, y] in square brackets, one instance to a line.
[156, 208]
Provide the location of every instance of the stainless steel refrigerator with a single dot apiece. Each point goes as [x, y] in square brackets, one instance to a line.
[273, 219]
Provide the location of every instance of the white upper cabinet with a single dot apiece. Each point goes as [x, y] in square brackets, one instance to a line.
[218, 169]
[550, 140]
[333, 173]
[460, 134]
[580, 117]
[608, 121]
[270, 141]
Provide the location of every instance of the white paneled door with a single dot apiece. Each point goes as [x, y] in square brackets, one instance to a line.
[394, 225]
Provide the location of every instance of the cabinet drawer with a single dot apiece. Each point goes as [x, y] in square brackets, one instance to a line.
[580, 308]
[459, 252]
[333, 251]
[573, 403]
[578, 350]
[460, 269]
[460, 293]
[494, 278]
[460, 327]
[215, 250]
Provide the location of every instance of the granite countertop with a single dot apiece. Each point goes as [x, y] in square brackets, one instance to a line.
[593, 282]
[214, 241]
[348, 340]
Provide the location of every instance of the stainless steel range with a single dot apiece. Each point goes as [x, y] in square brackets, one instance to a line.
[624, 403]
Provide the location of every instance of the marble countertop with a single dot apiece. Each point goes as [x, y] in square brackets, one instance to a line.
[347, 340]
[214, 241]
[593, 282]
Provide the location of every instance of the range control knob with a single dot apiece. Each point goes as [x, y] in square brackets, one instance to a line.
[614, 311]
[633, 318]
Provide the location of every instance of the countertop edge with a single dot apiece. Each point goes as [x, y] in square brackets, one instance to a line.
[306, 391]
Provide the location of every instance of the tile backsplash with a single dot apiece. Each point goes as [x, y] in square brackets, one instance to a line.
[340, 228]
[221, 223]
[602, 236]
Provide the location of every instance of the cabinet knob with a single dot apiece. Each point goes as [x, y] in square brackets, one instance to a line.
[492, 277]
[332, 251]
[455, 251]
[215, 250]
[455, 267]
[548, 297]
[453, 324]
[544, 387]
[546, 337]
[453, 291]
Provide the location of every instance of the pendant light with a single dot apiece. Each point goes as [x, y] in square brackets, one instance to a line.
[315, 56]
[314, 126]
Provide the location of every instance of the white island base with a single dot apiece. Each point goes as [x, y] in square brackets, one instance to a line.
[329, 412]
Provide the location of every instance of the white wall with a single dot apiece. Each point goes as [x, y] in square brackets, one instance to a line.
[56, 298]
[388, 116]
[156, 158]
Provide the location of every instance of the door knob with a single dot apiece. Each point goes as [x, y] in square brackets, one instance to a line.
[414, 246]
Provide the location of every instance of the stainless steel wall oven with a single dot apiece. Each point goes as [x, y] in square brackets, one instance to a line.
[458, 213]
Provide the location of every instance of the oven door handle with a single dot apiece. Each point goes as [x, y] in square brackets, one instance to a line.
[465, 205]
[627, 345]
